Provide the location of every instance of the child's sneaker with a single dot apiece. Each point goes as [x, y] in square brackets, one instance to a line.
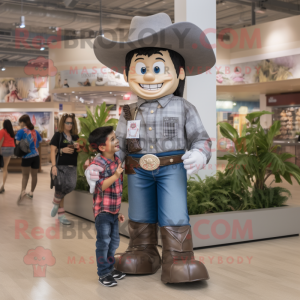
[108, 281]
[117, 274]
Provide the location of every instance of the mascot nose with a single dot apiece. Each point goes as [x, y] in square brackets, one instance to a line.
[149, 76]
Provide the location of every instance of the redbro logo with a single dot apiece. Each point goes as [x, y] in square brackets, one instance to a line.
[39, 258]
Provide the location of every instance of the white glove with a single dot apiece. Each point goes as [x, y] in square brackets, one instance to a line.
[92, 176]
[193, 161]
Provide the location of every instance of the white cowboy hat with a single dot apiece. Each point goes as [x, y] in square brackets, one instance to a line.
[158, 31]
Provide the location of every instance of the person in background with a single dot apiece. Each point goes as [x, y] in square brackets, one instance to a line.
[7, 145]
[66, 167]
[30, 161]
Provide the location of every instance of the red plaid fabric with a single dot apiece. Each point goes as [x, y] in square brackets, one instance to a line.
[110, 199]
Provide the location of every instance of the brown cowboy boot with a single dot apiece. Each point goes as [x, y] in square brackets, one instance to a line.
[141, 256]
[178, 262]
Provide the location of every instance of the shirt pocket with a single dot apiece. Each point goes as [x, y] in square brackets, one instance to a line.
[170, 127]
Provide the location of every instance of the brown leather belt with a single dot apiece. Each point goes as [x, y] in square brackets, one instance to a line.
[150, 162]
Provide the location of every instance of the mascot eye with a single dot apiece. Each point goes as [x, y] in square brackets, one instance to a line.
[159, 68]
[140, 68]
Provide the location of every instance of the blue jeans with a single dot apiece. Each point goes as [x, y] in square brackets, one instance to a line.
[159, 195]
[107, 242]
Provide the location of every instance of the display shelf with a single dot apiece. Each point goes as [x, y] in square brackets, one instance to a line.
[289, 118]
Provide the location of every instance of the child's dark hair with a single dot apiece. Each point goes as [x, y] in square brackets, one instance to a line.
[177, 60]
[98, 137]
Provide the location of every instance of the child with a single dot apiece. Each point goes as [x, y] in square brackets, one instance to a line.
[105, 178]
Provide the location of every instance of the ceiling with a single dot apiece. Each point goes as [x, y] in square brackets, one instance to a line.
[80, 19]
[238, 13]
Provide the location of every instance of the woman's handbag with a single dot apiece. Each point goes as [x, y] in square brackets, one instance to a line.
[1, 161]
[54, 179]
[1, 156]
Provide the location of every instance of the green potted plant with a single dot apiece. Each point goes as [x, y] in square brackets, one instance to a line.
[256, 157]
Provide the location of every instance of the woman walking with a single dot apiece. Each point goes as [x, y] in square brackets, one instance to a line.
[7, 145]
[64, 163]
[30, 161]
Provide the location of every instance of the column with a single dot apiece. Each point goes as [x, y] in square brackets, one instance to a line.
[266, 120]
[201, 89]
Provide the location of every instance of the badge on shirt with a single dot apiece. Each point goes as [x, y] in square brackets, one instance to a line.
[133, 129]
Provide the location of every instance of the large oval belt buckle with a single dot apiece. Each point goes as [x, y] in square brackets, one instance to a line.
[149, 162]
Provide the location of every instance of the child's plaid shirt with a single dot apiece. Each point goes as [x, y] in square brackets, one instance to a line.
[110, 199]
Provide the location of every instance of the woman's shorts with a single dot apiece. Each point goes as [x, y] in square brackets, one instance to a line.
[33, 162]
[7, 151]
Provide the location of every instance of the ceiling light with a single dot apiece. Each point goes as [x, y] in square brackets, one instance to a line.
[73, 92]
[52, 28]
[110, 92]
[22, 22]
[3, 68]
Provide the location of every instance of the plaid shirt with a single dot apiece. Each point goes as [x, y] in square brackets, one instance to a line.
[167, 124]
[110, 199]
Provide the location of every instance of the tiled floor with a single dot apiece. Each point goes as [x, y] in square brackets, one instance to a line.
[261, 270]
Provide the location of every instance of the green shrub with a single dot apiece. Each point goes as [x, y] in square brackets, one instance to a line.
[216, 194]
[256, 157]
[82, 184]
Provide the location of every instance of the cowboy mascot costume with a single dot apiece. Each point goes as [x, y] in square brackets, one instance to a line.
[171, 142]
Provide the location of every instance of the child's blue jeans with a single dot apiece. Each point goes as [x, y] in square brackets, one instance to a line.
[107, 243]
